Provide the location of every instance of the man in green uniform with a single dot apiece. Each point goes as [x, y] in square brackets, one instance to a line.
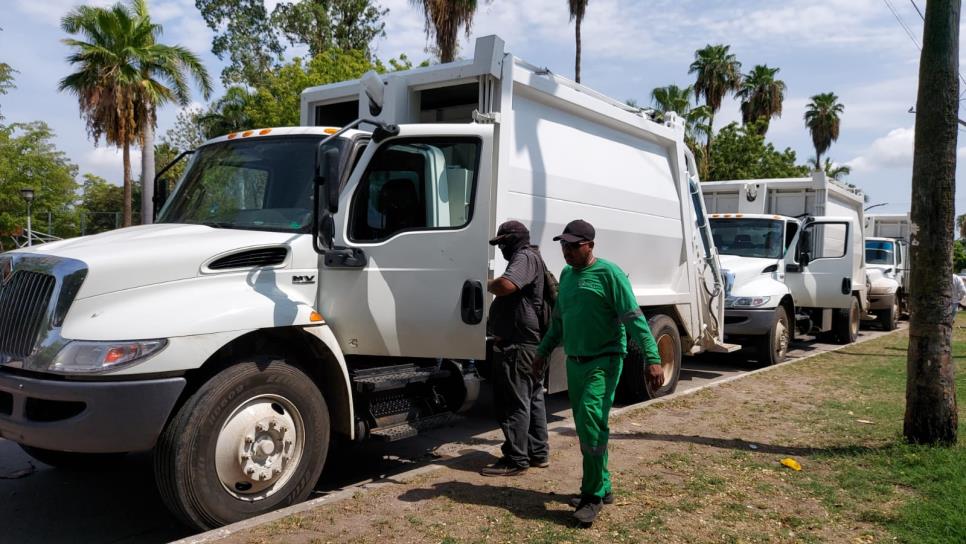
[595, 312]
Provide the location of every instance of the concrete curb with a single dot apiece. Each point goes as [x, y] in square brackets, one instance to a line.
[409, 475]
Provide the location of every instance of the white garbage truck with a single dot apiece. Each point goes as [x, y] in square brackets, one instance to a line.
[328, 281]
[887, 262]
[792, 258]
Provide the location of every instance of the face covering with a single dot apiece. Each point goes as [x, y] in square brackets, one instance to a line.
[513, 243]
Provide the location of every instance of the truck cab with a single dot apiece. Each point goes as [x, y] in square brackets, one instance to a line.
[784, 276]
[885, 261]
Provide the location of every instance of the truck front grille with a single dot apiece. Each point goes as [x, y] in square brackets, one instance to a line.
[24, 301]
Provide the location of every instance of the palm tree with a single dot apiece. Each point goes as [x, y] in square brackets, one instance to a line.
[832, 170]
[577, 10]
[718, 73]
[822, 120]
[120, 78]
[961, 226]
[443, 21]
[227, 114]
[678, 99]
[761, 96]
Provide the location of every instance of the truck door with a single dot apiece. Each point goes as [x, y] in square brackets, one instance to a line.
[414, 220]
[826, 281]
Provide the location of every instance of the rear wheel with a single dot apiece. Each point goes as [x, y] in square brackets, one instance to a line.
[252, 439]
[634, 386]
[74, 461]
[845, 324]
[773, 346]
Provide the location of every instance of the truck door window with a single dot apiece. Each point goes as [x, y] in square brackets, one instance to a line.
[828, 240]
[415, 185]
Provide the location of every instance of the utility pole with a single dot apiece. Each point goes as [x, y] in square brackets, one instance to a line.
[931, 416]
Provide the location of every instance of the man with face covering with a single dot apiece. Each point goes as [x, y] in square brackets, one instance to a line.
[515, 327]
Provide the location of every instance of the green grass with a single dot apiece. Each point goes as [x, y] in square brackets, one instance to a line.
[917, 492]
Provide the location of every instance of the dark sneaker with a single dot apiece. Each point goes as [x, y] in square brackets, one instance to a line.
[539, 463]
[503, 467]
[575, 501]
[588, 510]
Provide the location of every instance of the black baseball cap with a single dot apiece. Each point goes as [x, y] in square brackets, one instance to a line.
[577, 230]
[509, 228]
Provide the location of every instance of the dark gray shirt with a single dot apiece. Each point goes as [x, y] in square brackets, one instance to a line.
[514, 317]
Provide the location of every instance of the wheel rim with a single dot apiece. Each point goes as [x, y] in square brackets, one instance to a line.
[854, 320]
[259, 447]
[781, 339]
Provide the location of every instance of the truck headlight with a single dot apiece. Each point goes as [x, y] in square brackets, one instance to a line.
[81, 356]
[746, 302]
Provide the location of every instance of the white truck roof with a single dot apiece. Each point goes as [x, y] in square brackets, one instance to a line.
[817, 195]
[279, 131]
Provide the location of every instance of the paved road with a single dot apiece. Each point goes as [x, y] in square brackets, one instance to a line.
[41, 504]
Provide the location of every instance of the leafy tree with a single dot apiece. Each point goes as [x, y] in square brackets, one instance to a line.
[100, 203]
[29, 159]
[444, 18]
[718, 73]
[227, 114]
[186, 133]
[346, 25]
[245, 34]
[741, 152]
[961, 227]
[832, 170]
[761, 95]
[822, 120]
[696, 118]
[578, 8]
[959, 255]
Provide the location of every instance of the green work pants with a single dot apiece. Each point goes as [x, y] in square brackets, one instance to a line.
[591, 385]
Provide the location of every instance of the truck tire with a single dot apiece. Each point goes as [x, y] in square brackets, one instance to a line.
[70, 460]
[251, 439]
[773, 347]
[889, 318]
[845, 323]
[633, 386]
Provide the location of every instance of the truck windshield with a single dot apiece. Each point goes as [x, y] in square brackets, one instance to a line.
[879, 252]
[258, 184]
[762, 238]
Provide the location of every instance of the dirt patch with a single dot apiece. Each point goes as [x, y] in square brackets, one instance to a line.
[701, 468]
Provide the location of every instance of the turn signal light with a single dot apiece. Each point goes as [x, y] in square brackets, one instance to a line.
[316, 317]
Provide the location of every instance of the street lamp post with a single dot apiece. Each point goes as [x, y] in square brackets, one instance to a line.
[28, 196]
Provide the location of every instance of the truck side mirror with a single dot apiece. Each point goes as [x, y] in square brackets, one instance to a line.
[327, 175]
[804, 259]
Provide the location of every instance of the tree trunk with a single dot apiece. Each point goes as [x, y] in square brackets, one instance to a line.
[147, 173]
[127, 183]
[707, 160]
[931, 416]
[577, 59]
[818, 160]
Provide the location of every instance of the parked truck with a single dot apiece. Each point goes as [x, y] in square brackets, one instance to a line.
[792, 257]
[327, 281]
[887, 260]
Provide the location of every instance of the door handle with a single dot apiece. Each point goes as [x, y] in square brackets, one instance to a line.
[345, 257]
[846, 286]
[471, 302]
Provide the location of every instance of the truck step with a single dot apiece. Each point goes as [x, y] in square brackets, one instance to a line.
[413, 428]
[723, 347]
[394, 377]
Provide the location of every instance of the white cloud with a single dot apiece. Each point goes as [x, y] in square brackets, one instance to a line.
[103, 158]
[894, 150]
[51, 11]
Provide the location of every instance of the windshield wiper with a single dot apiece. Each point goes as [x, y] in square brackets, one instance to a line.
[219, 224]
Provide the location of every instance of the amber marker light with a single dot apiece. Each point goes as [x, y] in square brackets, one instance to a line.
[316, 317]
[233, 135]
[247, 133]
[264, 131]
[330, 130]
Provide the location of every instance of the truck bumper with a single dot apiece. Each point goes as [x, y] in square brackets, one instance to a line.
[881, 301]
[86, 417]
[748, 322]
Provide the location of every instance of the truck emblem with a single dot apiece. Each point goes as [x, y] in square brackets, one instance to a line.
[303, 280]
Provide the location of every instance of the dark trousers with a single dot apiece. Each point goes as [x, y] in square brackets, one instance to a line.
[520, 404]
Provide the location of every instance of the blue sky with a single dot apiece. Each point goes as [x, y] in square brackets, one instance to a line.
[855, 48]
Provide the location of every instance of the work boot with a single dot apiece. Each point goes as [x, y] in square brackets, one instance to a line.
[503, 467]
[539, 462]
[588, 510]
[575, 500]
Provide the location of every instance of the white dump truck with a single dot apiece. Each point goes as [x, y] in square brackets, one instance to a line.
[887, 262]
[792, 257]
[327, 281]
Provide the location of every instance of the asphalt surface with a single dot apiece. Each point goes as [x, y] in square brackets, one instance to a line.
[120, 504]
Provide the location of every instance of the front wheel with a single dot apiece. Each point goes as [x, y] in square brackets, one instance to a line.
[633, 386]
[845, 323]
[773, 347]
[888, 318]
[252, 439]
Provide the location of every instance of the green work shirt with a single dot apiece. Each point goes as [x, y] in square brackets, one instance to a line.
[595, 311]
